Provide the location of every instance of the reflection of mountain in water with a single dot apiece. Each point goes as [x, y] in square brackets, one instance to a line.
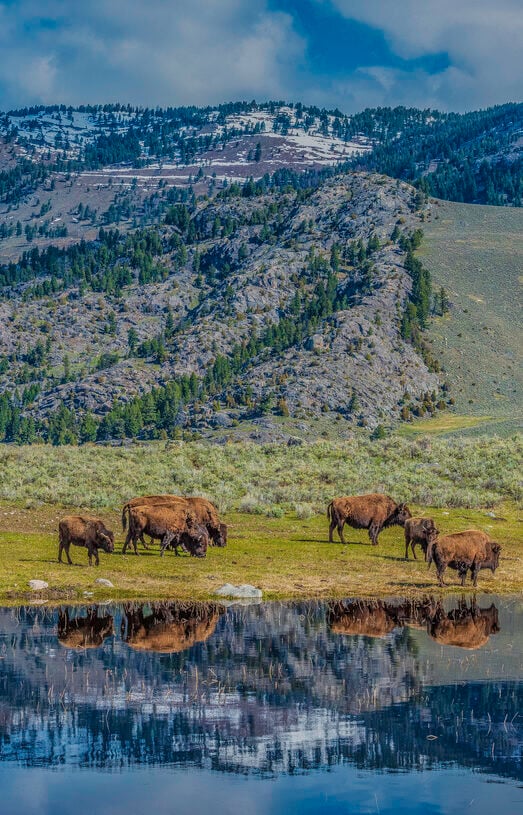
[270, 688]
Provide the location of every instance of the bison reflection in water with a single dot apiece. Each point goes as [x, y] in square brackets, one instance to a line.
[170, 627]
[372, 618]
[467, 626]
[84, 632]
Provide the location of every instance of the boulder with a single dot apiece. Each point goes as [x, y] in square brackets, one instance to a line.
[102, 581]
[38, 585]
[245, 591]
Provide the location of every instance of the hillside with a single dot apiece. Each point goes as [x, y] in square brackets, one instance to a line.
[240, 270]
[476, 253]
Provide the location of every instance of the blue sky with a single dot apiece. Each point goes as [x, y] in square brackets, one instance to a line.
[449, 54]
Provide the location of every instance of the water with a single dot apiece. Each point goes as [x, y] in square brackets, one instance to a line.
[349, 707]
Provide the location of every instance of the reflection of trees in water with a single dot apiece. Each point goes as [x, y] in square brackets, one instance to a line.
[266, 688]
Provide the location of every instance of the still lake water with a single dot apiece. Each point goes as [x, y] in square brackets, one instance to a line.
[351, 707]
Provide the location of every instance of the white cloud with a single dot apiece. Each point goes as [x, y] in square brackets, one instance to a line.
[158, 52]
[171, 52]
[482, 38]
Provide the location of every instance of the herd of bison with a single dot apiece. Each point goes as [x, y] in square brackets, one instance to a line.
[193, 524]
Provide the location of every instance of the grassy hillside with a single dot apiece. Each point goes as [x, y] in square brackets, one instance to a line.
[476, 253]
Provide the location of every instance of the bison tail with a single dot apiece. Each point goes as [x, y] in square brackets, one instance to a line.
[329, 512]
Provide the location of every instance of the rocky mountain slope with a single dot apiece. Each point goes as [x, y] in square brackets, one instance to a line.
[213, 268]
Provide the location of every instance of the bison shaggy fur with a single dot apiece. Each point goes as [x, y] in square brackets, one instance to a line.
[204, 512]
[173, 525]
[419, 531]
[373, 512]
[463, 551]
[81, 530]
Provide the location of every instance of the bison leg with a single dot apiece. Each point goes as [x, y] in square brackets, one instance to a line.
[165, 542]
[474, 573]
[374, 531]
[332, 527]
[142, 541]
[96, 558]
[341, 524]
[127, 541]
[90, 555]
[407, 548]
[413, 547]
[441, 572]
[66, 550]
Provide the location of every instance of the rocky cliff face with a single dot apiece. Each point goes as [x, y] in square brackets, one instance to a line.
[284, 256]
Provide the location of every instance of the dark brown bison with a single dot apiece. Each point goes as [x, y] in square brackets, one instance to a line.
[373, 512]
[171, 627]
[471, 549]
[465, 627]
[204, 512]
[420, 531]
[173, 525]
[81, 530]
[366, 618]
[83, 632]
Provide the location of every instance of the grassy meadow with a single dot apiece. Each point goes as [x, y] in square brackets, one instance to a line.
[476, 253]
[273, 497]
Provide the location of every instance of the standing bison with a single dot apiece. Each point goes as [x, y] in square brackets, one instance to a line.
[373, 512]
[420, 531]
[173, 525]
[204, 512]
[463, 551]
[81, 530]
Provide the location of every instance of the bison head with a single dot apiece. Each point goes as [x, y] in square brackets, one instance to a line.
[105, 540]
[493, 560]
[402, 514]
[196, 541]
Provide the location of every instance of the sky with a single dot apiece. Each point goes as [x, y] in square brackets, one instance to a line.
[351, 54]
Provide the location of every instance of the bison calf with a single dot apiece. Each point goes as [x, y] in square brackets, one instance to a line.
[420, 531]
[80, 530]
[373, 512]
[462, 551]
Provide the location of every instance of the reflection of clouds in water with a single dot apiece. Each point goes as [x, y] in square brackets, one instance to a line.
[268, 689]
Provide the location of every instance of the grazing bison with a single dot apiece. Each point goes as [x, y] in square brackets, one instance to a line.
[171, 627]
[462, 551]
[372, 618]
[174, 526]
[204, 512]
[83, 632]
[373, 512]
[81, 530]
[419, 531]
[465, 627]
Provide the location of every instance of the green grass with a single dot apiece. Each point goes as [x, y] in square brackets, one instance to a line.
[476, 253]
[286, 557]
[274, 499]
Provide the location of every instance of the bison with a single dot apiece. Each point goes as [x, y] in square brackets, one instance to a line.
[465, 627]
[367, 618]
[174, 526]
[205, 513]
[471, 549]
[81, 530]
[83, 632]
[419, 531]
[170, 627]
[373, 512]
